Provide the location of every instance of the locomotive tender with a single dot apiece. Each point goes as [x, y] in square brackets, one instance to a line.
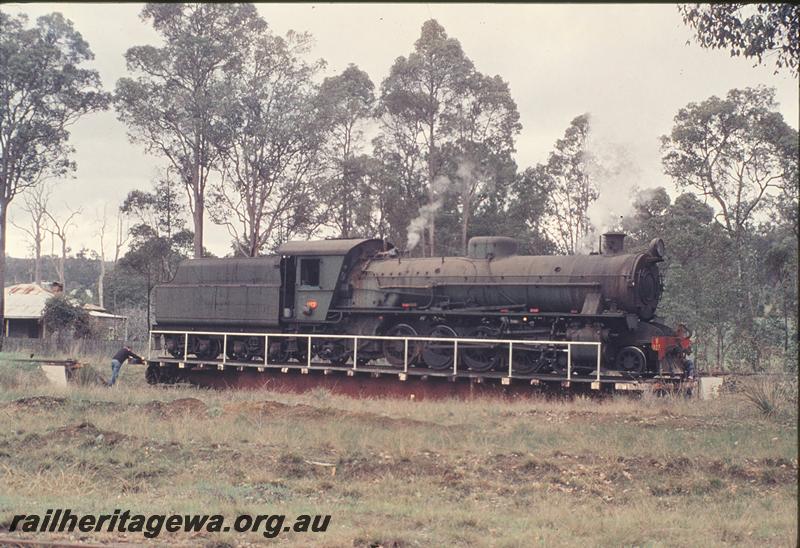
[366, 287]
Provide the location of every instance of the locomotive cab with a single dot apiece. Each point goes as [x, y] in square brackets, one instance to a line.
[316, 276]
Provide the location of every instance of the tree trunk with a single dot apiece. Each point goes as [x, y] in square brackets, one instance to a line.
[101, 280]
[431, 194]
[63, 262]
[252, 248]
[119, 243]
[3, 211]
[197, 217]
[37, 260]
[198, 191]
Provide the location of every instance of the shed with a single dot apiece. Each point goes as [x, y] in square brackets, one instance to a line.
[107, 325]
[24, 306]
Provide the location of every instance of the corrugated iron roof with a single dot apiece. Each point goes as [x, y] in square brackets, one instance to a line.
[25, 301]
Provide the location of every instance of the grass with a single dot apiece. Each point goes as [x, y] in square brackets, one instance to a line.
[656, 472]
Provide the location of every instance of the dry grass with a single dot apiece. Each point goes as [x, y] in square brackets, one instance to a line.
[665, 472]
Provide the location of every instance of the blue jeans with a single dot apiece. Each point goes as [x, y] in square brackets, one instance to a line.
[115, 367]
[688, 368]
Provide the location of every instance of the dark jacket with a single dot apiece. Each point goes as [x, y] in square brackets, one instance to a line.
[123, 354]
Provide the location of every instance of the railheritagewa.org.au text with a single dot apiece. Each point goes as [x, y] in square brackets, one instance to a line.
[151, 526]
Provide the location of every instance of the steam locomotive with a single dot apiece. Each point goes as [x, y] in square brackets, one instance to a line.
[367, 287]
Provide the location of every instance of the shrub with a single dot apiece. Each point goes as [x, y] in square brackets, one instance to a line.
[62, 315]
[772, 396]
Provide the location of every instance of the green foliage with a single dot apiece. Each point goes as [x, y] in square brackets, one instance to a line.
[528, 205]
[425, 86]
[740, 154]
[478, 161]
[704, 291]
[697, 253]
[174, 104]
[63, 316]
[750, 30]
[401, 181]
[346, 102]
[44, 89]
[156, 257]
[448, 133]
[274, 133]
[161, 212]
[159, 240]
[125, 287]
[420, 94]
[560, 192]
[222, 92]
[737, 151]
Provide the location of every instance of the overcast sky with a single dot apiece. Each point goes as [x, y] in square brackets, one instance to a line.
[628, 65]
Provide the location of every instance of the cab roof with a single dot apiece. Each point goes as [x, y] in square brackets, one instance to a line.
[325, 247]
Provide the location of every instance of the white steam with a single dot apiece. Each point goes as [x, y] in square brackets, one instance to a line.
[466, 179]
[420, 223]
[613, 164]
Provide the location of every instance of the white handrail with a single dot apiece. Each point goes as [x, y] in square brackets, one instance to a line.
[355, 338]
[370, 337]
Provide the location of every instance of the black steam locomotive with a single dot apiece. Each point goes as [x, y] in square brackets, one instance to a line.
[367, 287]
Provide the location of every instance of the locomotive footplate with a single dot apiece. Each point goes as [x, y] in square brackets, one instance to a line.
[367, 380]
[362, 363]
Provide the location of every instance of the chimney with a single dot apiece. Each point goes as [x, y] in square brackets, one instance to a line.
[611, 243]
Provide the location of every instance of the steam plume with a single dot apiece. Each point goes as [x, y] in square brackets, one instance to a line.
[442, 187]
[610, 163]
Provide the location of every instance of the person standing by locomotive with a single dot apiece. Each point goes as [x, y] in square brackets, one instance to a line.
[688, 363]
[119, 358]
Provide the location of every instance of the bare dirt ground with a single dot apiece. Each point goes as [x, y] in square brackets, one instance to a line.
[666, 472]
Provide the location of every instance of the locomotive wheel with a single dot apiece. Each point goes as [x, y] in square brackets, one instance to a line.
[301, 354]
[528, 360]
[297, 349]
[162, 375]
[238, 350]
[631, 359]
[335, 351]
[394, 351]
[439, 356]
[480, 358]
[207, 351]
[279, 352]
[174, 347]
[152, 375]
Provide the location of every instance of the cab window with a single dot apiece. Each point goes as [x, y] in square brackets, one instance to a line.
[309, 272]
